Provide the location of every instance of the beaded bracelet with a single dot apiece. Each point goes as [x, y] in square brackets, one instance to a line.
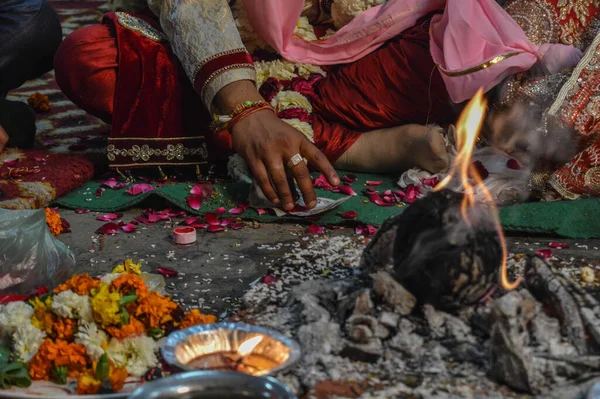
[240, 111]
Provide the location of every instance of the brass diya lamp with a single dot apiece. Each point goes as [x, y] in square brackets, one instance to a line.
[234, 347]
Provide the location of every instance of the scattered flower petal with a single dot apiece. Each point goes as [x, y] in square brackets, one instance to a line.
[220, 211]
[430, 181]
[260, 211]
[349, 179]
[112, 182]
[268, 280]
[513, 164]
[373, 182]
[10, 163]
[215, 229]
[346, 190]
[80, 211]
[191, 220]
[236, 211]
[479, 168]
[321, 182]
[558, 245]
[366, 231]
[108, 228]
[194, 201]
[39, 159]
[236, 226]
[204, 190]
[166, 272]
[212, 219]
[199, 226]
[349, 215]
[128, 228]
[144, 220]
[544, 253]
[99, 192]
[226, 222]
[412, 193]
[315, 229]
[109, 216]
[139, 188]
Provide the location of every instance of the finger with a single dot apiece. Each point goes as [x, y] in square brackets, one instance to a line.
[320, 161]
[302, 176]
[3, 138]
[259, 172]
[280, 181]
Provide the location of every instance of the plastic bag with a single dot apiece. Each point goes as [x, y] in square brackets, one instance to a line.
[29, 255]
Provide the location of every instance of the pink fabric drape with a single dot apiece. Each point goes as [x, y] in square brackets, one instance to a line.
[469, 34]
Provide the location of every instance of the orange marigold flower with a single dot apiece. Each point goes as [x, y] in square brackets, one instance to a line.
[39, 102]
[56, 354]
[64, 329]
[42, 318]
[53, 221]
[87, 384]
[194, 317]
[117, 378]
[80, 284]
[135, 327]
[129, 283]
[156, 309]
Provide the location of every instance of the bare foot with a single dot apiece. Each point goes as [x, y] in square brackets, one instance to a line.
[3, 138]
[397, 149]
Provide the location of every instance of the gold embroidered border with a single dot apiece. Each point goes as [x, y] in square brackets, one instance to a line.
[156, 138]
[215, 56]
[479, 67]
[132, 165]
[218, 72]
[145, 152]
[140, 26]
[562, 190]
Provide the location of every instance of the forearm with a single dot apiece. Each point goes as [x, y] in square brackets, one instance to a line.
[204, 37]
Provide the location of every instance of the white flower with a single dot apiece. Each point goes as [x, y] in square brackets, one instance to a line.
[74, 306]
[14, 315]
[305, 70]
[304, 127]
[92, 338]
[109, 278]
[136, 354]
[27, 340]
[344, 11]
[287, 99]
[305, 30]
[282, 70]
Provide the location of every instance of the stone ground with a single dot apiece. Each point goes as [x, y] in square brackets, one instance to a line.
[220, 267]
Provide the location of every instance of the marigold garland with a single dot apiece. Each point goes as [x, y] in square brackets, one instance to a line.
[54, 222]
[66, 335]
[39, 102]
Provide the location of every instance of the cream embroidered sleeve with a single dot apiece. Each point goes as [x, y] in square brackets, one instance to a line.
[205, 38]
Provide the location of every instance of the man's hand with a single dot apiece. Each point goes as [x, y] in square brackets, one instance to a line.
[267, 143]
[3, 138]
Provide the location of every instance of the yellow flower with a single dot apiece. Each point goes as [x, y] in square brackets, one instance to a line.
[105, 306]
[128, 267]
[42, 317]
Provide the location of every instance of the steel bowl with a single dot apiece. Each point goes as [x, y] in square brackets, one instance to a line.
[181, 348]
[213, 385]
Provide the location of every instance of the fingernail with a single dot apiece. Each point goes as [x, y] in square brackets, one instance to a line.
[312, 204]
[336, 179]
[288, 206]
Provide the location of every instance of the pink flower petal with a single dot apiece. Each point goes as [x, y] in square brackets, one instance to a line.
[190, 220]
[134, 222]
[513, 164]
[373, 182]
[315, 229]
[349, 215]
[194, 201]
[99, 192]
[139, 188]
[226, 222]
[544, 253]
[260, 211]
[412, 193]
[387, 193]
[39, 159]
[155, 217]
[212, 219]
[430, 181]
[199, 226]
[236, 211]
[11, 163]
[215, 229]
[166, 272]
[376, 199]
[109, 216]
[112, 182]
[268, 280]
[220, 211]
[108, 228]
[236, 226]
[349, 179]
[204, 190]
[80, 211]
[346, 190]
[321, 182]
[366, 231]
[129, 228]
[558, 245]
[144, 220]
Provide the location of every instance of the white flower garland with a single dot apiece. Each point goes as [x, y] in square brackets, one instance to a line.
[344, 11]
[136, 354]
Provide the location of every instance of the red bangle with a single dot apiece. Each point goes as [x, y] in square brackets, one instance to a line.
[245, 114]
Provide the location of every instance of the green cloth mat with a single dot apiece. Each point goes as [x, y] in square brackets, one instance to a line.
[570, 219]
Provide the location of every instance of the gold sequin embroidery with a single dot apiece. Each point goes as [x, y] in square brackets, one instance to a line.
[140, 26]
[145, 153]
[536, 18]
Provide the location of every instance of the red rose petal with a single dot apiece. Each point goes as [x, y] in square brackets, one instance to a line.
[226, 222]
[558, 245]
[477, 167]
[315, 229]
[199, 226]
[128, 228]
[66, 226]
[349, 215]
[166, 272]
[8, 298]
[80, 211]
[430, 181]
[346, 190]
[513, 164]
[544, 253]
[39, 159]
[373, 182]
[204, 190]
[99, 192]
[349, 179]
[215, 229]
[142, 219]
[194, 201]
[236, 226]
[112, 182]
[260, 211]
[109, 216]
[190, 220]
[212, 219]
[412, 193]
[321, 182]
[236, 211]
[268, 280]
[220, 211]
[134, 222]
[108, 228]
[11, 163]
[140, 188]
[39, 291]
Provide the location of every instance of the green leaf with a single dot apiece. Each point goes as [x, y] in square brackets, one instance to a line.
[20, 377]
[102, 368]
[11, 367]
[60, 374]
[5, 355]
[124, 316]
[127, 299]
[156, 333]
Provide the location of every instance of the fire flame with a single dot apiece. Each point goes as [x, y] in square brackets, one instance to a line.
[467, 130]
[248, 346]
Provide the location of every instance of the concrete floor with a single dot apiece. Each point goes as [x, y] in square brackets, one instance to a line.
[220, 267]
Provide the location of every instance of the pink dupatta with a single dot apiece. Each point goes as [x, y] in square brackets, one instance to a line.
[475, 42]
